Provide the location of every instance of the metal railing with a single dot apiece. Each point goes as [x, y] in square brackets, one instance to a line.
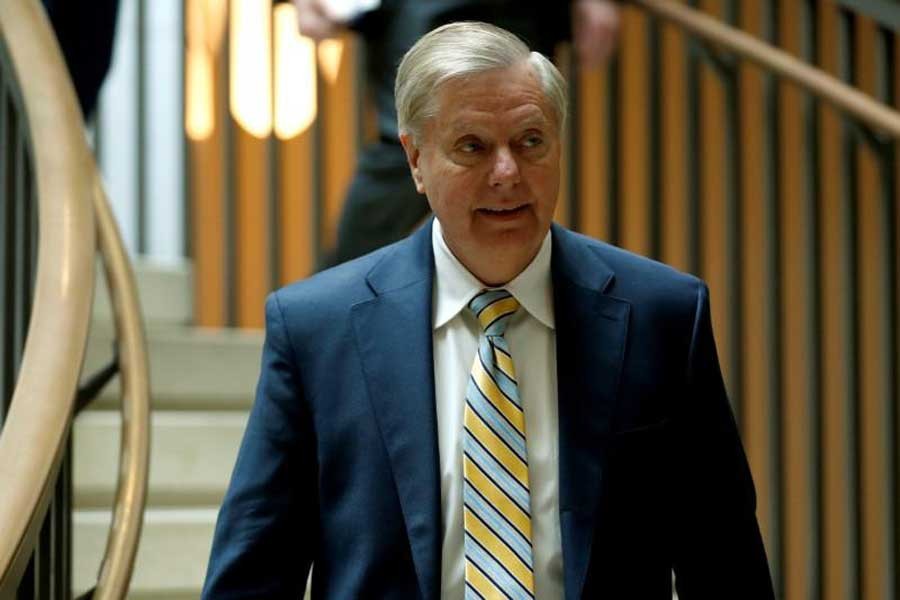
[763, 157]
[53, 208]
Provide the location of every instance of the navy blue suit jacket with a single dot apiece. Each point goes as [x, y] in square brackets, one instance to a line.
[339, 464]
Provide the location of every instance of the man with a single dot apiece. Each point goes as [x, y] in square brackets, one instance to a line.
[494, 407]
[382, 205]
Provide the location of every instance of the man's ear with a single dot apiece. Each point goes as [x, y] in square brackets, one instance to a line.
[412, 157]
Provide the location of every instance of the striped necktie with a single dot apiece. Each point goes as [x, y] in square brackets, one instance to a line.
[496, 510]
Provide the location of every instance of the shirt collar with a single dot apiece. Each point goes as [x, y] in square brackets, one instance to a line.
[455, 286]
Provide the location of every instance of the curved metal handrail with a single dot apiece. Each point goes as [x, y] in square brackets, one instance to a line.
[878, 115]
[134, 459]
[40, 417]
[37, 426]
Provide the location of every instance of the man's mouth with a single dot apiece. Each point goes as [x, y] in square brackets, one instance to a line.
[505, 211]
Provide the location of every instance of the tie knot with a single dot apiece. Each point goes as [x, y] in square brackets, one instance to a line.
[493, 308]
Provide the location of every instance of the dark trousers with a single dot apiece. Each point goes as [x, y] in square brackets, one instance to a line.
[382, 205]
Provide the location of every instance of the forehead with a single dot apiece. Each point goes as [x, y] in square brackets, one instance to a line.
[511, 97]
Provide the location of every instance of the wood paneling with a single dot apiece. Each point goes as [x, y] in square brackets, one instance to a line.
[296, 209]
[633, 114]
[251, 186]
[337, 118]
[711, 155]
[208, 219]
[834, 287]
[873, 366]
[757, 380]
[593, 157]
[794, 318]
[673, 137]
[563, 59]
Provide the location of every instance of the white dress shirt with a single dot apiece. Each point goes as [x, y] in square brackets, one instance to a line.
[531, 337]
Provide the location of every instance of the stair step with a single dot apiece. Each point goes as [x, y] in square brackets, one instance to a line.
[164, 290]
[171, 560]
[192, 454]
[172, 557]
[190, 368]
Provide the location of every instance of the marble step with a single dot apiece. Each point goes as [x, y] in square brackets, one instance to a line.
[172, 557]
[192, 454]
[164, 289]
[190, 368]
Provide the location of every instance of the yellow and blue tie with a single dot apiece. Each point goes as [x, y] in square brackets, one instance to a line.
[496, 508]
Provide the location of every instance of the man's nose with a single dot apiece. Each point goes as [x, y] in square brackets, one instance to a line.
[505, 169]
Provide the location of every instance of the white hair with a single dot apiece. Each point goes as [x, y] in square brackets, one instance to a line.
[458, 50]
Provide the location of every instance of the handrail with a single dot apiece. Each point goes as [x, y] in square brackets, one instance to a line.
[39, 421]
[34, 437]
[134, 459]
[878, 115]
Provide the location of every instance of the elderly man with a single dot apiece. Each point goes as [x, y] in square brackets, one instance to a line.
[494, 407]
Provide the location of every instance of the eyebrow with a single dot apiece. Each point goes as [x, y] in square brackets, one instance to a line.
[463, 128]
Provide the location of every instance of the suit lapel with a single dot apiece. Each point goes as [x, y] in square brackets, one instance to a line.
[393, 333]
[591, 328]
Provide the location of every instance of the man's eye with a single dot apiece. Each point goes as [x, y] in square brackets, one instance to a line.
[532, 141]
[470, 147]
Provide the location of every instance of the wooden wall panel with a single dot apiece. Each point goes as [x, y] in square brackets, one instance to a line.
[593, 158]
[711, 155]
[834, 286]
[207, 228]
[794, 319]
[207, 175]
[674, 202]
[337, 118]
[251, 185]
[296, 210]
[757, 380]
[634, 115]
[896, 458]
[563, 214]
[873, 367]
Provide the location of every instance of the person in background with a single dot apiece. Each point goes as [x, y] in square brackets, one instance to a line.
[85, 31]
[381, 205]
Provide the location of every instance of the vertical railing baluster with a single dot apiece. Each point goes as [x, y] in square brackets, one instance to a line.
[6, 256]
[734, 273]
[813, 311]
[141, 137]
[855, 556]
[573, 207]
[693, 151]
[888, 216]
[21, 299]
[654, 169]
[273, 232]
[229, 196]
[187, 214]
[615, 161]
[773, 316]
[317, 215]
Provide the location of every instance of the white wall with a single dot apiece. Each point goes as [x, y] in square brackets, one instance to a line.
[163, 149]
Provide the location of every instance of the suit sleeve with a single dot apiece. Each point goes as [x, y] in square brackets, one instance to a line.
[718, 547]
[266, 533]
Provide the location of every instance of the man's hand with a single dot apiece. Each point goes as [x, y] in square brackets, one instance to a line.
[595, 30]
[314, 21]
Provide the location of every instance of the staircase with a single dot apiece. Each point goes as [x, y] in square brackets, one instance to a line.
[202, 383]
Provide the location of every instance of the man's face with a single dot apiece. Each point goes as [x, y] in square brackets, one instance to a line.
[489, 164]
